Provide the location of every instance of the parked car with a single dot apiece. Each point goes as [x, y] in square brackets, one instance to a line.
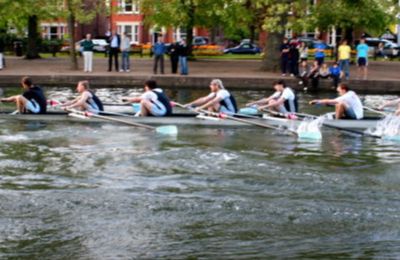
[100, 45]
[200, 40]
[243, 48]
[390, 49]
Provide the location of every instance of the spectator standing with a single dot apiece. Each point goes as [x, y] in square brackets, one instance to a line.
[285, 48]
[174, 56]
[115, 43]
[380, 51]
[2, 47]
[336, 74]
[344, 53]
[362, 59]
[319, 52]
[125, 51]
[303, 49]
[87, 50]
[159, 50]
[294, 56]
[183, 54]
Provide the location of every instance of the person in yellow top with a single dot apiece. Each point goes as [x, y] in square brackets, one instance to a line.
[344, 53]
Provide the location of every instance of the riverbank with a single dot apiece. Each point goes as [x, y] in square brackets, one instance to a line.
[383, 76]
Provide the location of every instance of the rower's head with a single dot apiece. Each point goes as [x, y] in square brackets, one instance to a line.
[150, 85]
[26, 82]
[279, 85]
[82, 86]
[216, 84]
[342, 89]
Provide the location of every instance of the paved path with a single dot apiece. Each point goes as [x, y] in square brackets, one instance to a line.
[383, 76]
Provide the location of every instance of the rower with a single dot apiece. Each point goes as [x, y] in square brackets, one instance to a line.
[31, 101]
[219, 100]
[284, 99]
[392, 103]
[347, 106]
[153, 102]
[86, 101]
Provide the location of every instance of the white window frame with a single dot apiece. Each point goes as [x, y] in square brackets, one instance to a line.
[122, 7]
[46, 30]
[135, 35]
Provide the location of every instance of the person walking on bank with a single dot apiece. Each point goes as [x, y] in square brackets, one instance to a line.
[115, 43]
[87, 49]
[344, 53]
[183, 54]
[125, 50]
[174, 56]
[159, 50]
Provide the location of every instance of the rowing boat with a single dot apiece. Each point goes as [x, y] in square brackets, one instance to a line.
[190, 119]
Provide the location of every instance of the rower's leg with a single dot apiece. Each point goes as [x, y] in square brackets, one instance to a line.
[145, 107]
[340, 110]
[21, 103]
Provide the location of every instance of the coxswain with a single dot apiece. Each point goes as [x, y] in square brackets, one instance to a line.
[32, 99]
[86, 101]
[219, 100]
[153, 102]
[284, 100]
[347, 106]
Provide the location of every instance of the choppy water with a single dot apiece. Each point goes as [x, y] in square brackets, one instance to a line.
[103, 191]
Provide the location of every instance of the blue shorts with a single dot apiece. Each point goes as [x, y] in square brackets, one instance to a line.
[225, 110]
[158, 109]
[362, 62]
[349, 113]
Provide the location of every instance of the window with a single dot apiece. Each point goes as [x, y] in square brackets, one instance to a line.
[131, 30]
[53, 31]
[128, 6]
[179, 33]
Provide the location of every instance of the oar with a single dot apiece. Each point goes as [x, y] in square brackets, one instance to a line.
[166, 130]
[241, 120]
[375, 111]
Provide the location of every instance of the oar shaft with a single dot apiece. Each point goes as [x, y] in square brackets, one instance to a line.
[111, 119]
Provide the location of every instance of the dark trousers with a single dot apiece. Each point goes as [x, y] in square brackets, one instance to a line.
[113, 53]
[157, 59]
[174, 64]
[294, 67]
[335, 80]
[284, 64]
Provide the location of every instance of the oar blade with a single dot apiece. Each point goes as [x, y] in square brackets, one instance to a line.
[167, 130]
[310, 135]
[392, 138]
[251, 111]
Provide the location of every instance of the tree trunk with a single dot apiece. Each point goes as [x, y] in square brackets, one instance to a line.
[32, 50]
[71, 29]
[272, 55]
[189, 29]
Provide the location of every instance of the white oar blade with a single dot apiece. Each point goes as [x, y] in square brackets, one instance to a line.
[249, 111]
[167, 130]
[310, 135]
[392, 138]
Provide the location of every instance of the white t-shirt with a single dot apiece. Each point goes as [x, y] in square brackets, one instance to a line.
[286, 94]
[352, 101]
[223, 95]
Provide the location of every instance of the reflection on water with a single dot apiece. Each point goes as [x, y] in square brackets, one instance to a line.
[105, 191]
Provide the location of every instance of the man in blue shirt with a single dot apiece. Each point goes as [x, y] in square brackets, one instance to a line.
[159, 50]
[319, 52]
[336, 74]
[362, 58]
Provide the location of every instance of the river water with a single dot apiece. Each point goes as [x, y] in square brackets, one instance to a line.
[106, 191]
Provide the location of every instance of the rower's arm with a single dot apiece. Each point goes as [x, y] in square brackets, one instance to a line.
[69, 103]
[210, 103]
[79, 101]
[323, 102]
[132, 99]
[390, 103]
[9, 99]
[199, 102]
[261, 102]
